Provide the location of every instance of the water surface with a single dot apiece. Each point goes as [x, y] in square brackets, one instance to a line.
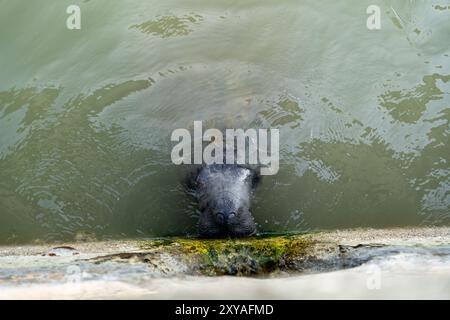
[86, 115]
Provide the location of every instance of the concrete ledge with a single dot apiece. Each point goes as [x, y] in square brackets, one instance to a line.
[366, 263]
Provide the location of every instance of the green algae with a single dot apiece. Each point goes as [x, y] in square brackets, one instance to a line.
[249, 256]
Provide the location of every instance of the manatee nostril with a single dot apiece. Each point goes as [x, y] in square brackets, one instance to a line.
[220, 217]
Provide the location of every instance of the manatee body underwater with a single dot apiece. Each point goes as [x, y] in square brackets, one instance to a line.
[224, 193]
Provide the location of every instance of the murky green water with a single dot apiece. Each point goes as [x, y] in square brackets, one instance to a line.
[86, 115]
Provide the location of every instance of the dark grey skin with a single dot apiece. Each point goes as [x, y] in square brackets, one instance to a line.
[224, 195]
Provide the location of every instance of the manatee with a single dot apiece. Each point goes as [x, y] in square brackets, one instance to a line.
[224, 193]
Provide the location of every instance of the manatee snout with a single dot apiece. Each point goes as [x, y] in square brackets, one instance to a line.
[225, 218]
[224, 195]
[225, 211]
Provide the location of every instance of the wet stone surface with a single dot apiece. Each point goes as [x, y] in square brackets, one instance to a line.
[136, 261]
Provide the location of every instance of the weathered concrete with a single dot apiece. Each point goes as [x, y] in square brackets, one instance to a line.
[394, 263]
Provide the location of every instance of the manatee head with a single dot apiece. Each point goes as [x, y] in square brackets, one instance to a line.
[224, 196]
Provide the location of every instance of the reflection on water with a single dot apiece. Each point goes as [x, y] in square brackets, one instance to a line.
[86, 115]
[282, 113]
[169, 26]
[409, 105]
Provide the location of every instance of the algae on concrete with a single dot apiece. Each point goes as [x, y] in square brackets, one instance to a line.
[241, 257]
